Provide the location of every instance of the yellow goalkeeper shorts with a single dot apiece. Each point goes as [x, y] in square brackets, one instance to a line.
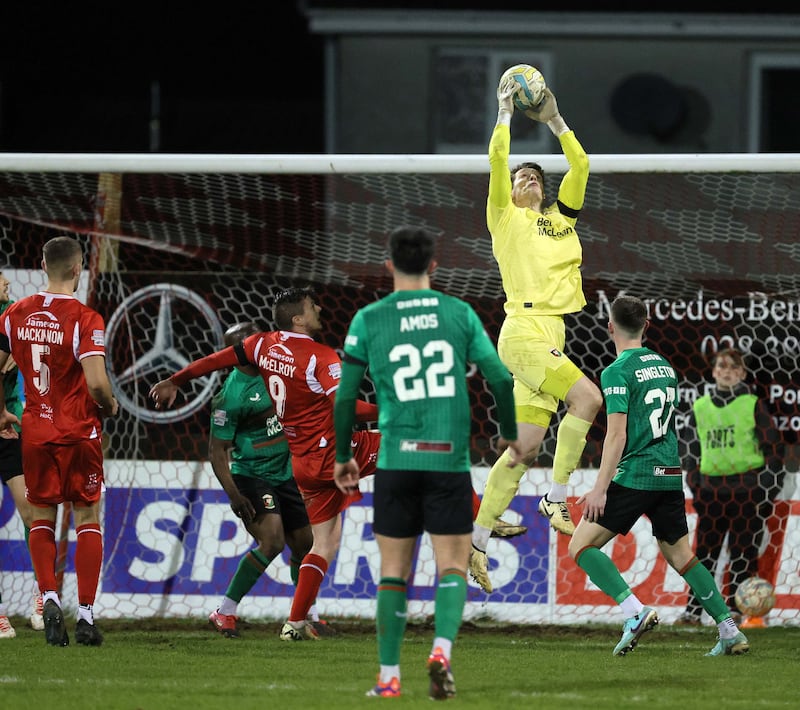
[531, 347]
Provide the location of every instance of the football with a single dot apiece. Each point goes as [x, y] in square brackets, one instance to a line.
[530, 83]
[755, 597]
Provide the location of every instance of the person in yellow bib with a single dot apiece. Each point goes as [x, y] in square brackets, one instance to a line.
[725, 467]
[539, 255]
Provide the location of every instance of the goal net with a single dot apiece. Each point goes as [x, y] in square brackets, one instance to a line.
[181, 247]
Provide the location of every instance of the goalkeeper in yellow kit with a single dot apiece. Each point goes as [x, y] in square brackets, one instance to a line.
[539, 256]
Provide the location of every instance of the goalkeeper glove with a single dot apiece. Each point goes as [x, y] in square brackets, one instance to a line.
[505, 100]
[547, 112]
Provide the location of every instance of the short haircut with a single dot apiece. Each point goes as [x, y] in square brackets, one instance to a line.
[60, 254]
[629, 314]
[734, 355]
[238, 332]
[411, 250]
[534, 166]
[289, 303]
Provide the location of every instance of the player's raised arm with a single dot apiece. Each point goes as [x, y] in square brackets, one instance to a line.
[500, 147]
[572, 190]
[163, 393]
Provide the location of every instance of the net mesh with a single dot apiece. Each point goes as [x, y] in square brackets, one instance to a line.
[175, 258]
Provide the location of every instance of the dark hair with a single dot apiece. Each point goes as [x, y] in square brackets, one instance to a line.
[60, 254]
[734, 355]
[238, 332]
[629, 314]
[534, 166]
[289, 303]
[411, 249]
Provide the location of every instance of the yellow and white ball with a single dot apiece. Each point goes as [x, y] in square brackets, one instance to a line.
[530, 85]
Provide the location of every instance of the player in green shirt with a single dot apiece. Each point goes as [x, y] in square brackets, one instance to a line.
[11, 466]
[416, 343]
[640, 474]
[250, 457]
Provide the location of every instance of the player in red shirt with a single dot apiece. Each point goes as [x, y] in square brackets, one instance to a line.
[59, 346]
[301, 376]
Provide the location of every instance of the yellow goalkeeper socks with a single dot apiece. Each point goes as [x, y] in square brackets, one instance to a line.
[501, 487]
[570, 443]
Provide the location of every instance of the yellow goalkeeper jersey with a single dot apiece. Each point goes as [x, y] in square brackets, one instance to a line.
[538, 253]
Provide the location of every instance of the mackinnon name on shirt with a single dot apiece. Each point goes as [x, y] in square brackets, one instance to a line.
[40, 335]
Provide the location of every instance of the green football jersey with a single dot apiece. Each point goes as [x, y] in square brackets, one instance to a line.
[242, 412]
[417, 346]
[643, 385]
[12, 386]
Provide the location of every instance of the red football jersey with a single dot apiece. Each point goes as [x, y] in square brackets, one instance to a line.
[49, 334]
[301, 375]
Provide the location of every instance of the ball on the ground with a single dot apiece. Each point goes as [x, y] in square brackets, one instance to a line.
[755, 597]
[530, 83]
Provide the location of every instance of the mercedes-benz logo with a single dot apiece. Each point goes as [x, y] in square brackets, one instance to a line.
[154, 332]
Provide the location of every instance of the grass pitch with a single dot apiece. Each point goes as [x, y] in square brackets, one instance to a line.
[158, 664]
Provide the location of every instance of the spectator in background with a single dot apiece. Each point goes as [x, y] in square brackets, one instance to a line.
[11, 466]
[59, 346]
[733, 438]
[417, 344]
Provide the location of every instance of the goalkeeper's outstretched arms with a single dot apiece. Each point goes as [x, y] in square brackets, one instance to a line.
[547, 112]
[572, 191]
[500, 147]
[163, 393]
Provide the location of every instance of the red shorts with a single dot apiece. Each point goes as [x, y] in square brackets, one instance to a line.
[314, 476]
[55, 473]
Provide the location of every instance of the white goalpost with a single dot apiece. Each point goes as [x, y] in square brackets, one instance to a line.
[186, 245]
[381, 163]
